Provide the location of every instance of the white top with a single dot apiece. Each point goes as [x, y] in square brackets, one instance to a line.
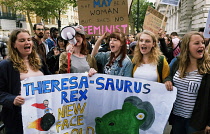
[30, 73]
[187, 91]
[147, 72]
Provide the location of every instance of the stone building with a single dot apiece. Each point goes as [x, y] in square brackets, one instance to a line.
[190, 15]
[11, 20]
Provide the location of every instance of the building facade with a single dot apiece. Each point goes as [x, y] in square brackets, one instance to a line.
[189, 15]
[10, 20]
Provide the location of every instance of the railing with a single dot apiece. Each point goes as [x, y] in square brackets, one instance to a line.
[11, 16]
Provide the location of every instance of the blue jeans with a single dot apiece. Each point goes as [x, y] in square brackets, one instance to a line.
[182, 125]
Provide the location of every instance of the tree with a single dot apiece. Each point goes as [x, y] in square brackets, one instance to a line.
[20, 6]
[43, 8]
[137, 14]
[52, 8]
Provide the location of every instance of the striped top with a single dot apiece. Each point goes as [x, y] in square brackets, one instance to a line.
[187, 91]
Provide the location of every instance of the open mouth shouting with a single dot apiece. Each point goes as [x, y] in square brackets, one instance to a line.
[112, 46]
[27, 48]
[200, 51]
[144, 48]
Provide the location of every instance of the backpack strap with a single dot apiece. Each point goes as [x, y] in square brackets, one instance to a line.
[160, 67]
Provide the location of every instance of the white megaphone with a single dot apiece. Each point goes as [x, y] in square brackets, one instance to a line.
[68, 33]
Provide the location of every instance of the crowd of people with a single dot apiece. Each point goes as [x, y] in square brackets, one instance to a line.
[169, 59]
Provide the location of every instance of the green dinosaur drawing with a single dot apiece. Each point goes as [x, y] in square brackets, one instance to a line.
[133, 116]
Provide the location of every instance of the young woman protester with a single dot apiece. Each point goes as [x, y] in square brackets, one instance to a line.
[23, 62]
[149, 62]
[81, 61]
[116, 61]
[191, 77]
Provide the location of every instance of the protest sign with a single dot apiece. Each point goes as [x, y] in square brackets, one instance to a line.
[207, 28]
[77, 104]
[129, 5]
[153, 20]
[102, 16]
[170, 2]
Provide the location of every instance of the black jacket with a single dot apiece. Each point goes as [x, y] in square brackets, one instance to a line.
[10, 87]
[52, 61]
[167, 51]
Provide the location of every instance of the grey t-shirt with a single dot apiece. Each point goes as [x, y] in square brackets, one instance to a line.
[79, 65]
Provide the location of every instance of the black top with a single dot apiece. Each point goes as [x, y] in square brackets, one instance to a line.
[10, 87]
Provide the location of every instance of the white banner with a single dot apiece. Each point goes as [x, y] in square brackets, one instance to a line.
[170, 2]
[77, 104]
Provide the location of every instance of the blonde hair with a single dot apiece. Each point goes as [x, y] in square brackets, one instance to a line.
[184, 60]
[14, 54]
[155, 51]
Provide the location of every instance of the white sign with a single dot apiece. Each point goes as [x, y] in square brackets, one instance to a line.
[170, 2]
[77, 104]
[207, 28]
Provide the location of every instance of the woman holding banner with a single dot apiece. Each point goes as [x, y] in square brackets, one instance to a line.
[190, 75]
[116, 61]
[149, 62]
[23, 62]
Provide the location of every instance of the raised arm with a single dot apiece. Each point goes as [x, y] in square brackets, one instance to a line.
[97, 44]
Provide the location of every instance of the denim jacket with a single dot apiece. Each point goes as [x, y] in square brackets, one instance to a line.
[125, 70]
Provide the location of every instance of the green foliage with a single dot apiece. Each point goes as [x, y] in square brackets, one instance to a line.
[143, 4]
[43, 8]
[51, 8]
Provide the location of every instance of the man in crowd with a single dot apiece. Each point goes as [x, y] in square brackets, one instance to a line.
[45, 37]
[37, 39]
[52, 40]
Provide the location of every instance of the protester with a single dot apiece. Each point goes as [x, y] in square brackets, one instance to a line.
[23, 62]
[131, 49]
[169, 45]
[104, 47]
[176, 43]
[105, 44]
[190, 75]
[54, 54]
[61, 43]
[3, 48]
[89, 44]
[53, 60]
[37, 40]
[45, 37]
[81, 61]
[149, 62]
[166, 45]
[52, 40]
[116, 61]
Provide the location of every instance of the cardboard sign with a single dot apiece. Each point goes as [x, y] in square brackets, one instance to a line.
[170, 2]
[153, 20]
[77, 104]
[100, 16]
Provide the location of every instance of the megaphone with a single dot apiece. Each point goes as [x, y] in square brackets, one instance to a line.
[68, 33]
